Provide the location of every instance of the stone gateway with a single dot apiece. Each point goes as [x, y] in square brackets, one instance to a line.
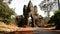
[30, 15]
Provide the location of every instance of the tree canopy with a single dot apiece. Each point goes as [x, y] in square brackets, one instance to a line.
[47, 6]
[56, 19]
[5, 11]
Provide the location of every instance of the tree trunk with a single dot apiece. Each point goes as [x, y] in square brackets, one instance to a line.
[58, 27]
[58, 5]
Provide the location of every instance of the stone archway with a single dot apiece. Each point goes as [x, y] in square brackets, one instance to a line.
[30, 21]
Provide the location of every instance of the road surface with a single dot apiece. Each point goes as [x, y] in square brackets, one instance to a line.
[45, 32]
[32, 32]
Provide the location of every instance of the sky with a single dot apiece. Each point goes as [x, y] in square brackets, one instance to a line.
[18, 5]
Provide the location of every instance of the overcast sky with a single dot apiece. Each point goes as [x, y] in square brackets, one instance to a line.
[18, 5]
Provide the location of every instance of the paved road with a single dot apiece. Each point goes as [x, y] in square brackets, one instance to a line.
[33, 32]
[45, 32]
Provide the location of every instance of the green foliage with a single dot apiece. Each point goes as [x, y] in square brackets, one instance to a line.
[5, 12]
[9, 1]
[56, 18]
[51, 20]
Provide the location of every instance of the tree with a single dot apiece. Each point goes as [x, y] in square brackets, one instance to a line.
[7, 1]
[56, 19]
[20, 21]
[58, 5]
[47, 6]
[5, 12]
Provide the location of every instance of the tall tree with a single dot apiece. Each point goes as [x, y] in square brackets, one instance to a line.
[58, 5]
[47, 6]
[5, 12]
[56, 19]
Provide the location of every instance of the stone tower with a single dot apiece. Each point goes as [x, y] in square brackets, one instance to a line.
[30, 14]
[35, 10]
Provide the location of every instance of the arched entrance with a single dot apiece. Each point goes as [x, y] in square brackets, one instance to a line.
[30, 21]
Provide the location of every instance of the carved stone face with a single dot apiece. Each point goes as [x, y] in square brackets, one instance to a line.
[35, 9]
[32, 9]
[30, 5]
